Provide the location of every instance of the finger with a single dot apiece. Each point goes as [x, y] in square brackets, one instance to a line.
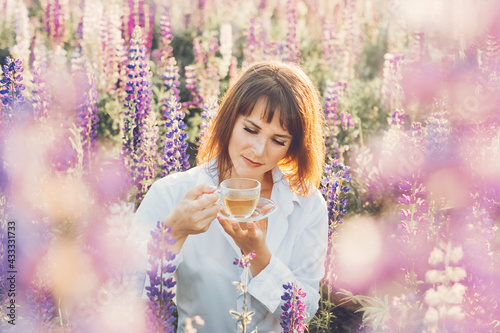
[226, 225]
[266, 208]
[252, 232]
[199, 190]
[238, 232]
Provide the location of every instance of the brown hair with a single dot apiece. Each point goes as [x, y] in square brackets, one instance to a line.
[291, 93]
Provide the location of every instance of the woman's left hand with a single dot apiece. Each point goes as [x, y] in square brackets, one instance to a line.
[249, 236]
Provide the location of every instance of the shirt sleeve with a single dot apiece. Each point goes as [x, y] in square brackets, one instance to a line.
[305, 269]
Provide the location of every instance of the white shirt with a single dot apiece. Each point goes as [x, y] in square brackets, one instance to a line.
[296, 236]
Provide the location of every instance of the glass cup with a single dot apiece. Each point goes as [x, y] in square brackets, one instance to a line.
[240, 196]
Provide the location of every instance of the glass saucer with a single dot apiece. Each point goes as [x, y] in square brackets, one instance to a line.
[265, 207]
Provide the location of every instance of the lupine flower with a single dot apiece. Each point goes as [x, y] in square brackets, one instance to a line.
[160, 306]
[331, 116]
[418, 46]
[293, 316]
[413, 192]
[41, 304]
[332, 186]
[209, 111]
[211, 78]
[87, 118]
[171, 78]
[140, 14]
[437, 133]
[194, 96]
[328, 47]
[244, 261]
[445, 297]
[166, 36]
[40, 94]
[392, 90]
[253, 50]
[175, 158]
[244, 317]
[11, 89]
[114, 54]
[398, 118]
[292, 43]
[139, 131]
[21, 50]
[348, 48]
[226, 48]
[55, 21]
[346, 120]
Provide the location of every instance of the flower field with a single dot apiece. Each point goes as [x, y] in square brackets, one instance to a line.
[99, 98]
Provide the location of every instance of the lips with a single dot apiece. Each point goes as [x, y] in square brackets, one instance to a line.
[251, 163]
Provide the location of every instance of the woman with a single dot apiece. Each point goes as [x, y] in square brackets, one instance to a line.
[269, 128]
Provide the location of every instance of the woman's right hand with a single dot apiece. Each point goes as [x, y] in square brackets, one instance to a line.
[193, 214]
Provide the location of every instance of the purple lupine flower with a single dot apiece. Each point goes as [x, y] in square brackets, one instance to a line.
[171, 78]
[195, 99]
[139, 131]
[208, 113]
[114, 54]
[199, 54]
[292, 43]
[139, 91]
[54, 21]
[160, 306]
[175, 157]
[331, 117]
[392, 91]
[140, 14]
[166, 36]
[244, 261]
[332, 187]
[293, 316]
[346, 120]
[413, 214]
[437, 134]
[11, 89]
[41, 97]
[253, 50]
[87, 119]
[398, 118]
[41, 304]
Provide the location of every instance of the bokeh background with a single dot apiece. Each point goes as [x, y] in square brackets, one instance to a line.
[99, 98]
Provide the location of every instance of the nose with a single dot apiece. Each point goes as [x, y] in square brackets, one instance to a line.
[259, 146]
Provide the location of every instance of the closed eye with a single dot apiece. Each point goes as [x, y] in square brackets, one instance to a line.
[281, 143]
[249, 130]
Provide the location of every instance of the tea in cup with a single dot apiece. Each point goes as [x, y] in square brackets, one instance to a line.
[240, 196]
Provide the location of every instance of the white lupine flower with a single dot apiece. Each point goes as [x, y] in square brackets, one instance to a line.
[226, 48]
[456, 254]
[455, 313]
[436, 257]
[431, 316]
[433, 297]
[455, 294]
[455, 274]
[434, 276]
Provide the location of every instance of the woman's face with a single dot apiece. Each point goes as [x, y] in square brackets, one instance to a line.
[255, 146]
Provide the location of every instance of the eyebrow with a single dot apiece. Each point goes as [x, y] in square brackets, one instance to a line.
[284, 136]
